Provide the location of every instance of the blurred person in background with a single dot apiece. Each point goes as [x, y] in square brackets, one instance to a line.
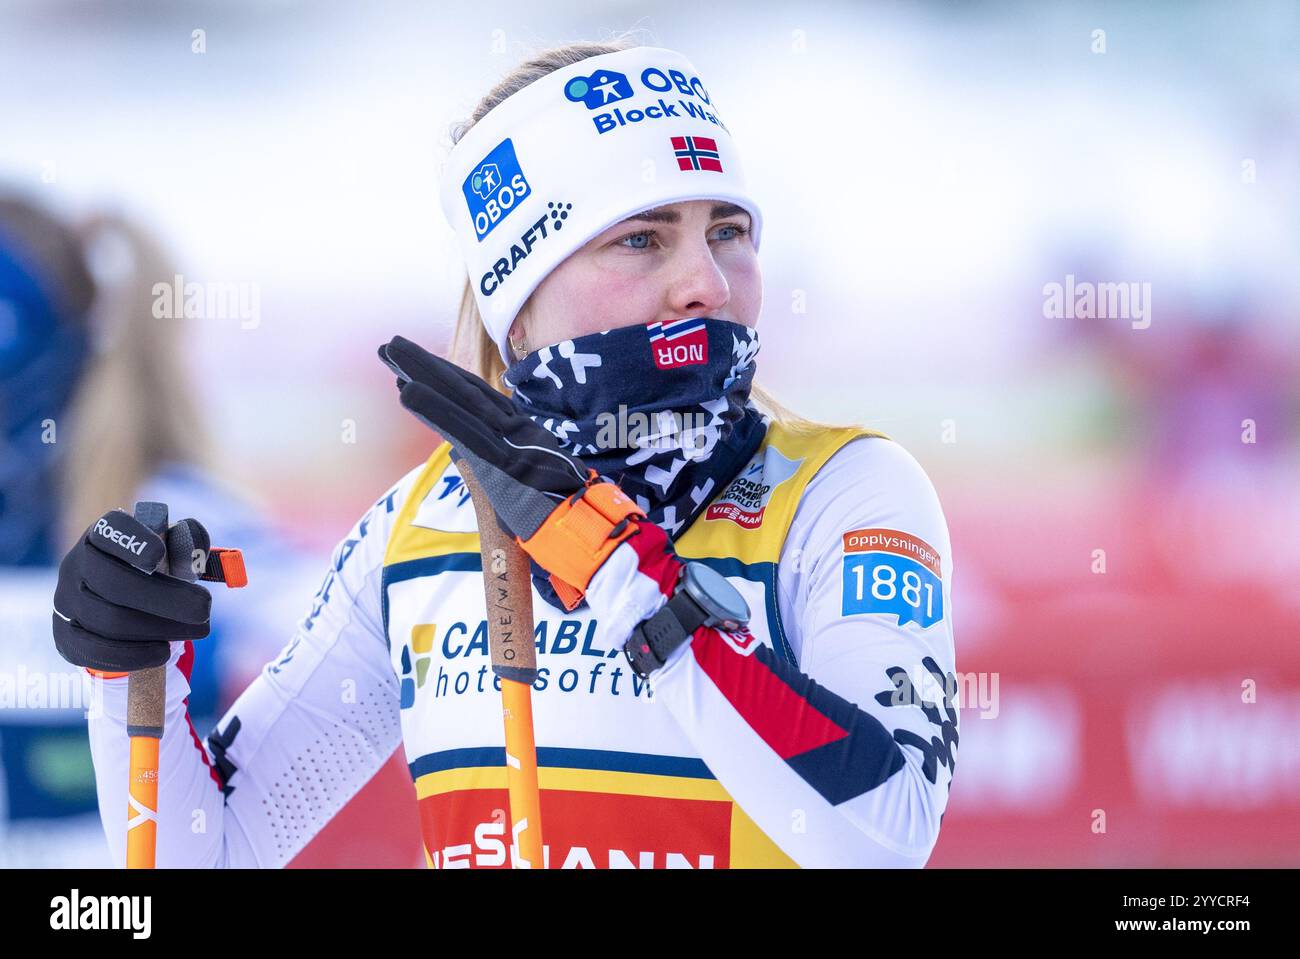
[1201, 406]
[96, 406]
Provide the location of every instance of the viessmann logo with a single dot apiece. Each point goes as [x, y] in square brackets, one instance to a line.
[128, 541]
[469, 829]
[490, 850]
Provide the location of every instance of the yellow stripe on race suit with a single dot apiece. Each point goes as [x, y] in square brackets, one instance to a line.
[751, 848]
[743, 533]
[408, 541]
[574, 780]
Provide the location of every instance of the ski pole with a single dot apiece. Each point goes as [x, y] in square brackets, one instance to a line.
[508, 591]
[146, 691]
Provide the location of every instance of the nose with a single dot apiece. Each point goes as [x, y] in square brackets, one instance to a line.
[698, 286]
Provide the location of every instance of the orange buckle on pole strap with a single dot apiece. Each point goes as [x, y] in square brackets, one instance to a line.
[579, 535]
[225, 566]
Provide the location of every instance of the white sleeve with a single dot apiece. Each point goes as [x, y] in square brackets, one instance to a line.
[845, 760]
[317, 723]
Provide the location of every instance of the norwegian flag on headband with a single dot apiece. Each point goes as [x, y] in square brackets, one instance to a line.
[697, 153]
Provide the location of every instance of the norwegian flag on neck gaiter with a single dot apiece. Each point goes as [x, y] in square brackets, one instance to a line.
[662, 410]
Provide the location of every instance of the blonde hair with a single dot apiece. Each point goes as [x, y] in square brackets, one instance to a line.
[471, 346]
[131, 411]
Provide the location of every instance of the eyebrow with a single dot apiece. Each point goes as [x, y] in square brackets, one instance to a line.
[672, 216]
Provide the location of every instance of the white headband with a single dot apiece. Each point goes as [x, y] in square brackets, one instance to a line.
[572, 154]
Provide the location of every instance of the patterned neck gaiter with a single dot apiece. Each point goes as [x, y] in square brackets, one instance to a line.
[662, 410]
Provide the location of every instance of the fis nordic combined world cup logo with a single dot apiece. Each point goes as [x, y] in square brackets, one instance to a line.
[494, 188]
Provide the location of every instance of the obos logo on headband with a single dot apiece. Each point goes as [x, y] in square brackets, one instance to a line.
[603, 87]
[494, 188]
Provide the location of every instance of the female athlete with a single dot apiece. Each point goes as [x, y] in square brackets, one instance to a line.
[743, 619]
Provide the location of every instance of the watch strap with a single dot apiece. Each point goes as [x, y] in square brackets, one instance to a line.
[654, 639]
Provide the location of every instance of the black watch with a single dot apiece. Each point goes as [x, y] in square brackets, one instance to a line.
[703, 597]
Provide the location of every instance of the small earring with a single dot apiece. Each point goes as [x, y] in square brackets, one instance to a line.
[520, 348]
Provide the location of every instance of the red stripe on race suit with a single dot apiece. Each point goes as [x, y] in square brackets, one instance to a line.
[186, 664]
[656, 558]
[784, 720]
[787, 722]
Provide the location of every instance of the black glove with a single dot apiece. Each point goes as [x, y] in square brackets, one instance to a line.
[523, 468]
[112, 612]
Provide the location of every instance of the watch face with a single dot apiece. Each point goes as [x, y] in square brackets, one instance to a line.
[719, 598]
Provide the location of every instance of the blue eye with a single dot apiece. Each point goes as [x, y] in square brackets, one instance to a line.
[645, 233]
[737, 232]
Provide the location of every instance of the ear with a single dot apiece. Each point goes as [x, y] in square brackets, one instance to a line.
[519, 328]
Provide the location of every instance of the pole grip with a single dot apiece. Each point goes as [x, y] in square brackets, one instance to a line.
[146, 705]
[508, 593]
